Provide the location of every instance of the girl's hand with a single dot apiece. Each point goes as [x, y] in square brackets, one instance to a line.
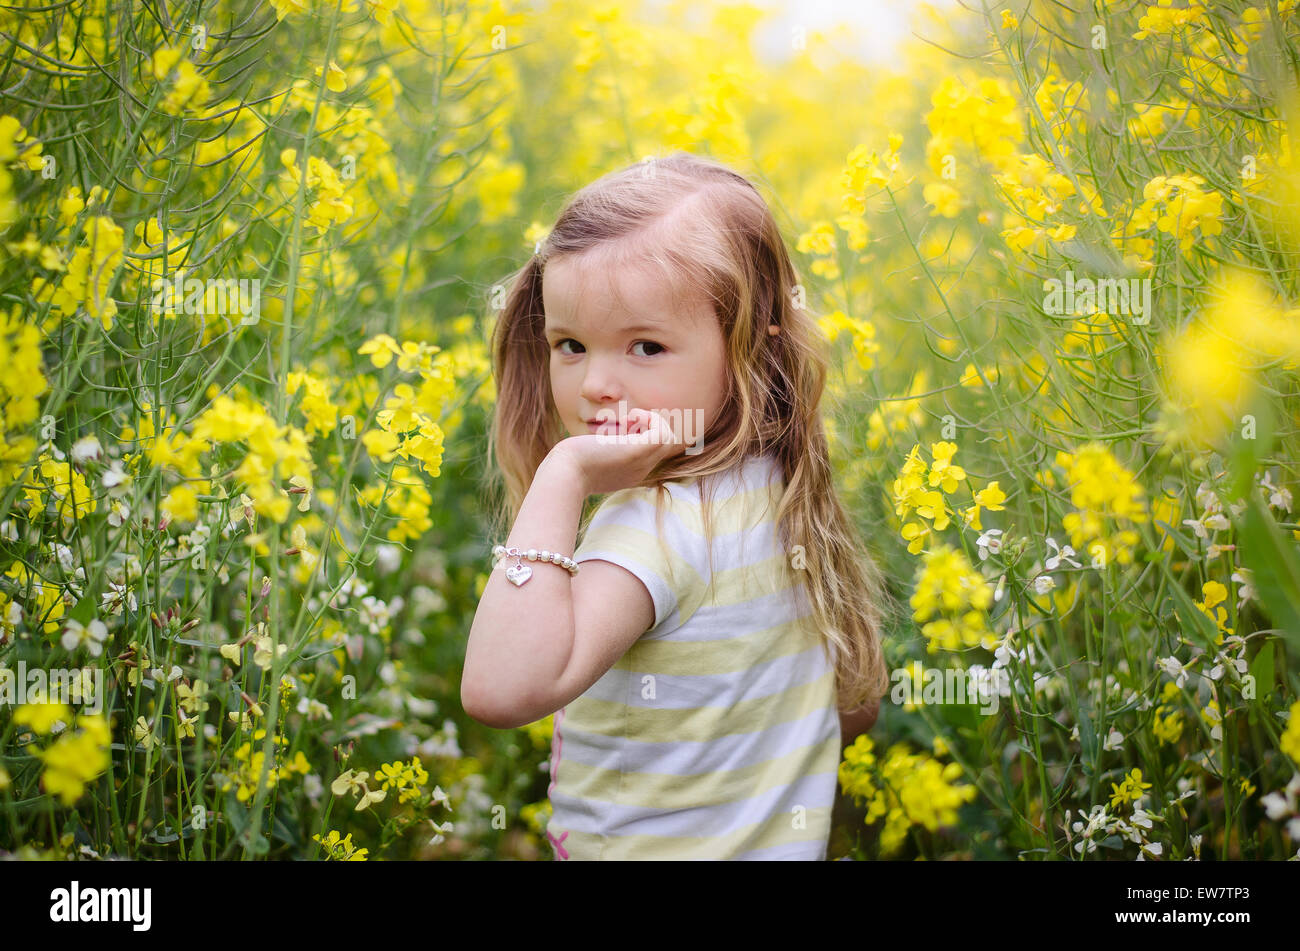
[610, 459]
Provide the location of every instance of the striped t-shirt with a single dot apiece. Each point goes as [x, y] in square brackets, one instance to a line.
[716, 735]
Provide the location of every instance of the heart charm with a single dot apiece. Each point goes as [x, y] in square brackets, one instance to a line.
[518, 574]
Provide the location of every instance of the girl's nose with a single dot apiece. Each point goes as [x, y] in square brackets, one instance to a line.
[599, 383]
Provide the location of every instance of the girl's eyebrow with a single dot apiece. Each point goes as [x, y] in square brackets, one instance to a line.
[635, 328]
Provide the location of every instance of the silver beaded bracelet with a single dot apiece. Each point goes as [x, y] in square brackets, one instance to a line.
[518, 573]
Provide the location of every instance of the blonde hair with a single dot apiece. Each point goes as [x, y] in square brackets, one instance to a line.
[706, 227]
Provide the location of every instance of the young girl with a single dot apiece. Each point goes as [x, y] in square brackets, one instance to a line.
[722, 637]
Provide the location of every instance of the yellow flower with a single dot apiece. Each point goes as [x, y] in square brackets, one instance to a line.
[144, 734]
[1009, 21]
[990, 497]
[41, 717]
[337, 80]
[945, 199]
[942, 472]
[1290, 739]
[75, 759]
[341, 849]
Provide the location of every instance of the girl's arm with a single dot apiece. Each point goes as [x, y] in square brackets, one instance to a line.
[522, 636]
[856, 722]
[534, 648]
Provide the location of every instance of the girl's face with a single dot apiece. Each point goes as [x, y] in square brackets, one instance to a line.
[644, 351]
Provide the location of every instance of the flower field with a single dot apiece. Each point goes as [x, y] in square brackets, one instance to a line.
[252, 255]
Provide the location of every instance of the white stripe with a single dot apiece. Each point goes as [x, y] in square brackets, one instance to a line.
[812, 791]
[694, 758]
[688, 691]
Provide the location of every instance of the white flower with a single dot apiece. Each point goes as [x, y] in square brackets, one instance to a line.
[1244, 578]
[440, 796]
[1114, 740]
[116, 479]
[441, 831]
[85, 449]
[1206, 499]
[388, 558]
[76, 634]
[375, 614]
[1293, 829]
[989, 543]
[1278, 496]
[1174, 668]
[119, 512]
[1043, 584]
[117, 595]
[1206, 524]
[1216, 731]
[1276, 806]
[1215, 550]
[1062, 554]
[354, 587]
[1002, 656]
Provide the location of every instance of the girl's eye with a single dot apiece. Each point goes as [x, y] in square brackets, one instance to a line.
[559, 345]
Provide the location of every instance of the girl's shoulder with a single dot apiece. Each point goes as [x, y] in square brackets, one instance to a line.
[753, 472]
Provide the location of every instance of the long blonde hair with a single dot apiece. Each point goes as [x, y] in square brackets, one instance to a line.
[701, 222]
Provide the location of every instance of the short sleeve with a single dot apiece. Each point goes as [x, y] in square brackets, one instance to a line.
[622, 531]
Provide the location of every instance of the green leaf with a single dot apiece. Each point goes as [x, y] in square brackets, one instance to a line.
[1087, 741]
[282, 830]
[1193, 618]
[1244, 455]
[1186, 543]
[236, 812]
[1262, 670]
[83, 610]
[1274, 566]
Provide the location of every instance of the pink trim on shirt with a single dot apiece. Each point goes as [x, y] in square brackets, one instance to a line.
[560, 850]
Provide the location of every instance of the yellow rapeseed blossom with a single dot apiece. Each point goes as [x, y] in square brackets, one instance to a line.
[915, 789]
[1290, 739]
[75, 759]
[951, 598]
[1165, 18]
[1104, 493]
[341, 849]
[1212, 367]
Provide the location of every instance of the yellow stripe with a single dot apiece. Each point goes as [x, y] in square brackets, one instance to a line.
[672, 791]
[667, 657]
[778, 830]
[728, 515]
[698, 724]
